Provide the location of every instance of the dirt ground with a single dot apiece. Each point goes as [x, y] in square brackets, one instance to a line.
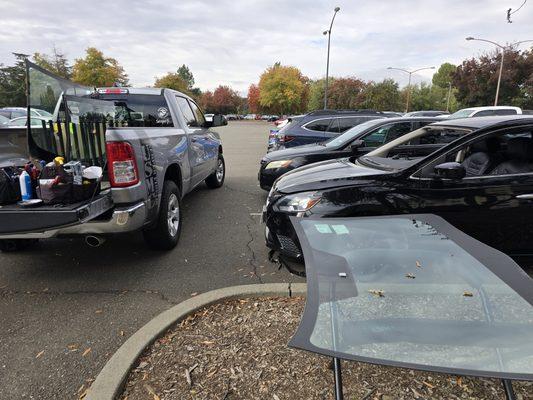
[238, 350]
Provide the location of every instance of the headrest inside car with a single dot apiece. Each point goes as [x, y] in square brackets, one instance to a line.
[520, 148]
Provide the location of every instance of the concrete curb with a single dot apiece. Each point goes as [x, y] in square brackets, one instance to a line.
[109, 382]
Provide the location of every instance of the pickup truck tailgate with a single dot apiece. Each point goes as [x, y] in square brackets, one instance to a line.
[16, 219]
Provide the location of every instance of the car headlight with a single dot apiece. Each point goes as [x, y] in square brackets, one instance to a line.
[278, 164]
[299, 202]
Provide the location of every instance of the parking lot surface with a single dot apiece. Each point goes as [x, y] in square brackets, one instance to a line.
[66, 307]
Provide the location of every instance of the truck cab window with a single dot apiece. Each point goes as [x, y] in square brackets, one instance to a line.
[200, 119]
[186, 110]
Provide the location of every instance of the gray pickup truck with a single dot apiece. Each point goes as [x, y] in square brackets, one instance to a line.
[155, 146]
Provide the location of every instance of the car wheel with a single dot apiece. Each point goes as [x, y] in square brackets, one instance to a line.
[216, 179]
[166, 232]
[12, 245]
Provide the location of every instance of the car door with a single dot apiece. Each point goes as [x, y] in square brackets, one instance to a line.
[207, 140]
[383, 134]
[496, 209]
[195, 134]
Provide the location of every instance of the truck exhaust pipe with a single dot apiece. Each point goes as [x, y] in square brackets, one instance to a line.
[94, 241]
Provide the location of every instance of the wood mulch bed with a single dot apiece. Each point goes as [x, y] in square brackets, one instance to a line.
[238, 350]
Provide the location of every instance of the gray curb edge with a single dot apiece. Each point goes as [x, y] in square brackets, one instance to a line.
[109, 382]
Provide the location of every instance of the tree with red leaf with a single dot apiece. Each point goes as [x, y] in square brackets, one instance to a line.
[253, 99]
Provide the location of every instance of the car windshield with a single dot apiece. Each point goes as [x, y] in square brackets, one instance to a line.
[414, 291]
[464, 113]
[352, 133]
[408, 149]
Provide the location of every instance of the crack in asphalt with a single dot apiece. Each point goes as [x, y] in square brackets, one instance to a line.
[162, 296]
[252, 261]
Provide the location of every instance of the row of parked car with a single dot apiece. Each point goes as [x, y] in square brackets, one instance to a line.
[477, 173]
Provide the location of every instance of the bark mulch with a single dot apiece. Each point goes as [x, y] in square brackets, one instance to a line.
[238, 350]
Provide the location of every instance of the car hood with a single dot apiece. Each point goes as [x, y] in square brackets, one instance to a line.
[325, 175]
[293, 152]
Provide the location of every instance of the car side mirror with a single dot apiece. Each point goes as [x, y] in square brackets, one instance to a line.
[356, 144]
[450, 170]
[218, 120]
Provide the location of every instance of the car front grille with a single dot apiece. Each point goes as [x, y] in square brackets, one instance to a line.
[288, 245]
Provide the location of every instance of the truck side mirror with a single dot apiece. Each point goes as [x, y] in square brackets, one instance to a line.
[356, 144]
[450, 170]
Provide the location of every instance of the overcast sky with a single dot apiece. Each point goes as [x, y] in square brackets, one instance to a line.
[232, 42]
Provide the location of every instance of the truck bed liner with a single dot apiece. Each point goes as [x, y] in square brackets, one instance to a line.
[16, 219]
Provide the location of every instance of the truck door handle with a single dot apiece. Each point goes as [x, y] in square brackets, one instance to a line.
[528, 196]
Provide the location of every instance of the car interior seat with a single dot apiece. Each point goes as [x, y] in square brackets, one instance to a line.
[519, 157]
[483, 156]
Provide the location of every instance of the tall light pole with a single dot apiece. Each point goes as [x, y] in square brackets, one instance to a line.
[328, 32]
[503, 48]
[409, 84]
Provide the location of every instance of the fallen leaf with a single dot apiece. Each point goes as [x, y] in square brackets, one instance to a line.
[87, 351]
[207, 342]
[418, 264]
[410, 276]
[39, 354]
[468, 294]
[83, 395]
[429, 385]
[121, 333]
[194, 294]
[375, 292]
[98, 312]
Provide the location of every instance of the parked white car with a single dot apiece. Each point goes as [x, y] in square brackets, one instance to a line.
[485, 111]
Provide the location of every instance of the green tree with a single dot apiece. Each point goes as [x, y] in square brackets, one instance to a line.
[172, 80]
[55, 62]
[429, 97]
[444, 75]
[97, 70]
[382, 96]
[185, 73]
[13, 82]
[316, 93]
[283, 89]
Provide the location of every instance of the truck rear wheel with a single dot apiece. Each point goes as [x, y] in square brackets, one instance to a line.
[216, 179]
[166, 232]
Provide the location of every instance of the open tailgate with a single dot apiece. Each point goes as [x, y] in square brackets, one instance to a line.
[16, 219]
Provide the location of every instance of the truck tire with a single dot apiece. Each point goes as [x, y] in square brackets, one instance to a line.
[166, 232]
[12, 245]
[216, 179]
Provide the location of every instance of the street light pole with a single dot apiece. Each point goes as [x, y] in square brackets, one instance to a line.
[328, 32]
[503, 48]
[409, 84]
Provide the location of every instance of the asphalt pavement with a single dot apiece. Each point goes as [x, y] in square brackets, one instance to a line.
[65, 308]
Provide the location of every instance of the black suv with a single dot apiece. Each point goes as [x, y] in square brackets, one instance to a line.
[318, 126]
[480, 179]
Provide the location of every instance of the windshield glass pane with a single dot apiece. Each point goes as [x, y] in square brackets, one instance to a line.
[414, 291]
[351, 134]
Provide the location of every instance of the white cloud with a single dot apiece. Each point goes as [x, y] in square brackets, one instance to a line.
[232, 42]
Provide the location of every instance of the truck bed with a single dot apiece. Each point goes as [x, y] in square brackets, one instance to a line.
[17, 219]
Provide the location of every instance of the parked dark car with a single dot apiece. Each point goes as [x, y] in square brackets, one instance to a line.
[356, 141]
[480, 179]
[426, 113]
[318, 126]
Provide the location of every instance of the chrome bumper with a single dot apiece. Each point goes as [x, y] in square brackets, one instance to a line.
[123, 219]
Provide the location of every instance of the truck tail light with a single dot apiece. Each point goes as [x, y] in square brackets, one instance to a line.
[121, 164]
